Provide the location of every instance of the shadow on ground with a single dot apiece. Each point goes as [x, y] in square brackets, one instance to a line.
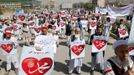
[4, 65]
[60, 67]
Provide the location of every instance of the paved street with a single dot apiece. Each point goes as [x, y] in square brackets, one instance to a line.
[62, 59]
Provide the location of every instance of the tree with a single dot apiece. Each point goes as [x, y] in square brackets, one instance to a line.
[89, 6]
[94, 2]
[75, 5]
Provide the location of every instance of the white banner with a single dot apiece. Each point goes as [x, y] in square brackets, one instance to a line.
[99, 44]
[101, 10]
[35, 62]
[116, 11]
[131, 38]
[77, 49]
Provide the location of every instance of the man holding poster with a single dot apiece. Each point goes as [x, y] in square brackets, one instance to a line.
[122, 29]
[9, 46]
[99, 44]
[76, 52]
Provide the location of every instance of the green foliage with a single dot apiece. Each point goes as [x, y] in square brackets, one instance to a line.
[12, 0]
[88, 6]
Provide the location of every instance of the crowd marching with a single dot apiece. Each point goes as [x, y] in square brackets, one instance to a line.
[45, 28]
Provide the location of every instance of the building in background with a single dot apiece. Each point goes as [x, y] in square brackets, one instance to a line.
[13, 4]
[18, 4]
[101, 3]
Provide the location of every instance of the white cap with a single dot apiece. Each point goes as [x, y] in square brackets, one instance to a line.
[120, 42]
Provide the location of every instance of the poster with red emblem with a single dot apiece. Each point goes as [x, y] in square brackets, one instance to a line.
[99, 44]
[35, 62]
[131, 50]
[93, 25]
[122, 32]
[77, 49]
[7, 47]
[21, 18]
[62, 24]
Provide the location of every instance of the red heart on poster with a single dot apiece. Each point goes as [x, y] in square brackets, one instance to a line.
[54, 27]
[122, 31]
[7, 47]
[77, 49]
[33, 66]
[74, 18]
[61, 24]
[21, 17]
[31, 23]
[15, 27]
[99, 44]
[93, 24]
[130, 48]
[37, 29]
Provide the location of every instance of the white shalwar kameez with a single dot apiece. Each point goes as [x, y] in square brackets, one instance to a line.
[12, 57]
[77, 62]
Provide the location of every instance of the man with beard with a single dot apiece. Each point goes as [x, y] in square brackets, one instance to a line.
[122, 63]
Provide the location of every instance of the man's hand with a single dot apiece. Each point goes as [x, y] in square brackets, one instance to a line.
[130, 71]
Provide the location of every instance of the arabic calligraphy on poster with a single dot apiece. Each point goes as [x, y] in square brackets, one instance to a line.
[35, 62]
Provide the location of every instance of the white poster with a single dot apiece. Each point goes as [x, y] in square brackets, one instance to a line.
[62, 24]
[84, 23]
[31, 24]
[37, 30]
[122, 32]
[99, 44]
[35, 62]
[77, 49]
[93, 25]
[131, 50]
[7, 47]
[21, 18]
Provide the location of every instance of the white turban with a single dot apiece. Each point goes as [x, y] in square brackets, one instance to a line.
[120, 42]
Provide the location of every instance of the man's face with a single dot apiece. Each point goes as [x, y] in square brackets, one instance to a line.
[44, 32]
[122, 52]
